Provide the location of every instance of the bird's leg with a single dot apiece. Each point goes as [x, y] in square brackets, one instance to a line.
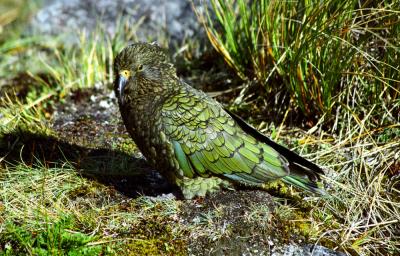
[193, 187]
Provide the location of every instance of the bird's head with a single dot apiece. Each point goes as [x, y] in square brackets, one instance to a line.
[142, 69]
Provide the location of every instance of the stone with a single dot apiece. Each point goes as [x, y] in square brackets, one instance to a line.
[175, 18]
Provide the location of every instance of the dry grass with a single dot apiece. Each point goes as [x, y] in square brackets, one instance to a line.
[362, 166]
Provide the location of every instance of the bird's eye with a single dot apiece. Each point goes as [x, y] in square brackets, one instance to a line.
[140, 67]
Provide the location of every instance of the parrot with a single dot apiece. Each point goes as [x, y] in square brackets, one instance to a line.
[190, 138]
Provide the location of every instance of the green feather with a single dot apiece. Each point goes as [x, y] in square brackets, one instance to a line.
[222, 151]
[182, 160]
[249, 155]
[255, 148]
[210, 155]
[197, 164]
[305, 184]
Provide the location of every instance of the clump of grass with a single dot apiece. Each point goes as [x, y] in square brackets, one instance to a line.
[85, 66]
[313, 50]
[36, 211]
[90, 64]
[367, 196]
[30, 113]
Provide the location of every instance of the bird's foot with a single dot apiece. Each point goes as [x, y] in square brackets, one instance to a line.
[199, 187]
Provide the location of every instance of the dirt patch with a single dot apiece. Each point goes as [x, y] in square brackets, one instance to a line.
[230, 222]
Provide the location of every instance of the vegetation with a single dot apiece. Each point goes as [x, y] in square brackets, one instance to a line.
[315, 50]
[334, 65]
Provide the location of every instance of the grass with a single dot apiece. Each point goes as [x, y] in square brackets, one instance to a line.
[311, 50]
[364, 215]
[32, 228]
[47, 206]
[54, 211]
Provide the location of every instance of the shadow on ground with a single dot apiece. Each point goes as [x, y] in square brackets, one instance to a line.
[126, 173]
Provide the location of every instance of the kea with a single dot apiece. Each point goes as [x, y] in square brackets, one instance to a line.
[190, 138]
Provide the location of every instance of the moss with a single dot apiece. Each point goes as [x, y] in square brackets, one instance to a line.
[156, 247]
[276, 187]
[156, 235]
[297, 224]
[126, 145]
[143, 247]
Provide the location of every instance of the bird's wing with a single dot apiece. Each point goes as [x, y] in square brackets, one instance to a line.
[297, 164]
[207, 141]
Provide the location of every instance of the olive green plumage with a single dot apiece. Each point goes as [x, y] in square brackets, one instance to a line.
[189, 137]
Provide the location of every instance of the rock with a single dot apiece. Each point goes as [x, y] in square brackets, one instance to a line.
[175, 18]
[304, 250]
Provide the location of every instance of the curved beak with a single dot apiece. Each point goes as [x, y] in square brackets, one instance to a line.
[122, 80]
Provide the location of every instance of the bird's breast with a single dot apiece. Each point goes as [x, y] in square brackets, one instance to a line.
[145, 127]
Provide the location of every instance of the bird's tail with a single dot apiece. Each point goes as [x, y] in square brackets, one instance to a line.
[304, 183]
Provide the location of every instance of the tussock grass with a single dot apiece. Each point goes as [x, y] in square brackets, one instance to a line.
[310, 49]
[86, 66]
